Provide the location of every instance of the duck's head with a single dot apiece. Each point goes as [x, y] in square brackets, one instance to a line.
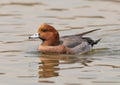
[48, 34]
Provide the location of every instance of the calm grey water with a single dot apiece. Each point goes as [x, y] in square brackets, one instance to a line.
[22, 64]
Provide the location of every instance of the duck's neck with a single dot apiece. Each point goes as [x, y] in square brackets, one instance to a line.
[51, 43]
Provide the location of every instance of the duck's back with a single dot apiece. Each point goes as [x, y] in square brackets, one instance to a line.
[71, 41]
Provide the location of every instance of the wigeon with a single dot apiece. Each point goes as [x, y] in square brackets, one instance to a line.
[72, 44]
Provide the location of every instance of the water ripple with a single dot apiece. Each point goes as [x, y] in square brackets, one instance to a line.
[45, 81]
[103, 25]
[106, 81]
[2, 73]
[113, 66]
[10, 42]
[7, 51]
[26, 76]
[116, 1]
[22, 3]
[71, 18]
[57, 9]
[8, 14]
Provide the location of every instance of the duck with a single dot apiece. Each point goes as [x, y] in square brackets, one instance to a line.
[70, 44]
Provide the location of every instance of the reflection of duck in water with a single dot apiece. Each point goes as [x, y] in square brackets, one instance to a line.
[49, 64]
[73, 44]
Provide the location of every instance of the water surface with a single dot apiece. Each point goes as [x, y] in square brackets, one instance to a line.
[22, 64]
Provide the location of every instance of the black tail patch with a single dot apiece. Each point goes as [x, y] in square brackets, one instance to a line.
[95, 42]
[90, 41]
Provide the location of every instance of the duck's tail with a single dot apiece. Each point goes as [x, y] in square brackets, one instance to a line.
[84, 33]
[95, 42]
[91, 41]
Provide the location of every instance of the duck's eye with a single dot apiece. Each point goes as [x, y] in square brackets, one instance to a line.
[44, 30]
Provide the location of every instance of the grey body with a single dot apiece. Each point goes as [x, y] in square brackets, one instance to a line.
[77, 43]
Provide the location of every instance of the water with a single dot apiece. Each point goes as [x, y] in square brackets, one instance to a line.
[22, 64]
